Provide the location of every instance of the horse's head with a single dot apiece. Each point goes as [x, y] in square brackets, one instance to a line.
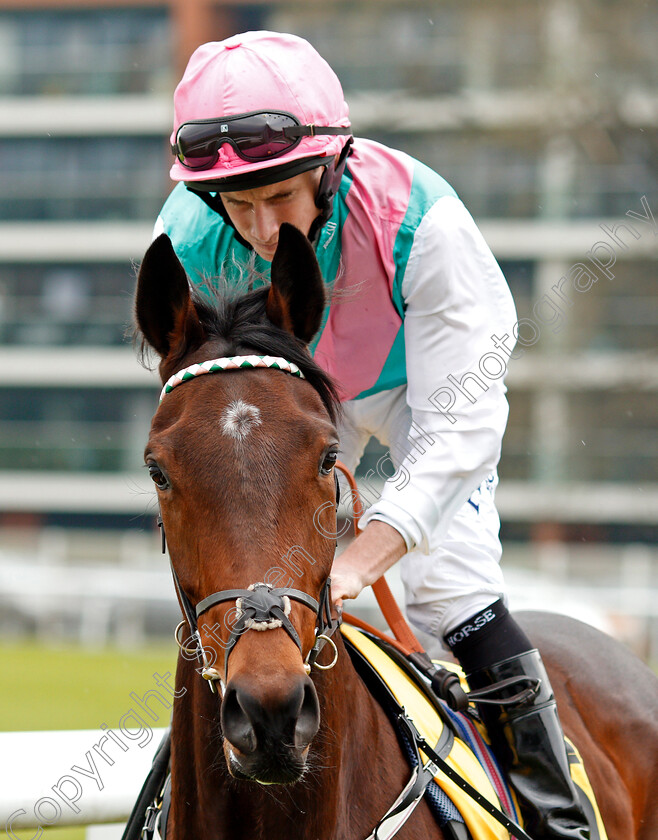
[243, 467]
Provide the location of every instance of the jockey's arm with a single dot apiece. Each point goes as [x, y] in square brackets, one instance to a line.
[378, 547]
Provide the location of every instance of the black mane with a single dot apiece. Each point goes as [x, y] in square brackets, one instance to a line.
[241, 324]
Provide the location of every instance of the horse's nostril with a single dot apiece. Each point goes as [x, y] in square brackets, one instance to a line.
[252, 722]
[308, 719]
[236, 725]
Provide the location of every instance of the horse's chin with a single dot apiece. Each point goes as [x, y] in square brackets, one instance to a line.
[282, 767]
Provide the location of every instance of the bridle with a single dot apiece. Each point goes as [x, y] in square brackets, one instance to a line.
[260, 606]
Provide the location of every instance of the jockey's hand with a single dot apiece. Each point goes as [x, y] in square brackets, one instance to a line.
[378, 547]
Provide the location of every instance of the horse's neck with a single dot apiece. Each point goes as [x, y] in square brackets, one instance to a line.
[343, 768]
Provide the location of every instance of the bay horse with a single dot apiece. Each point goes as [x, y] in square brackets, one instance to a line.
[241, 463]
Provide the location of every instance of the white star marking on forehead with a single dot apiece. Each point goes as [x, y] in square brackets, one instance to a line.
[239, 418]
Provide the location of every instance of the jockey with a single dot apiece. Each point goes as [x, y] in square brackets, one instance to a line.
[417, 334]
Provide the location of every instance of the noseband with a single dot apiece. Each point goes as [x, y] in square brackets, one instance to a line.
[260, 607]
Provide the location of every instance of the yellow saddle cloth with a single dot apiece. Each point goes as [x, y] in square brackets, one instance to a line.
[468, 749]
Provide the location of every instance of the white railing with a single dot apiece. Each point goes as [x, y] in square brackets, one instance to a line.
[66, 778]
[52, 590]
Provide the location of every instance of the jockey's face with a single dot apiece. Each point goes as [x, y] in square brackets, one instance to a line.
[257, 214]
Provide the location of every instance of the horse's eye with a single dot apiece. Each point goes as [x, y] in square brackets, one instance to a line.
[329, 462]
[158, 477]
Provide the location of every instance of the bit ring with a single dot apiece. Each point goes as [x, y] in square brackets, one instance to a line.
[334, 660]
[180, 644]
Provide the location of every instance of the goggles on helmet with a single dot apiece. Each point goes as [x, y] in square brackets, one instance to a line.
[257, 136]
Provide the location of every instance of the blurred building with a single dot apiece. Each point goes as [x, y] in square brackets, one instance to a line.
[544, 117]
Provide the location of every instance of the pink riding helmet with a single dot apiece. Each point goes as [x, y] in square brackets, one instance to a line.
[259, 71]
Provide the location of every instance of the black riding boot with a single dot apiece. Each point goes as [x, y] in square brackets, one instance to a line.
[526, 735]
[527, 739]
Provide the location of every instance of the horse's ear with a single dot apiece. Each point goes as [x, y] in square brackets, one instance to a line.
[296, 298]
[164, 311]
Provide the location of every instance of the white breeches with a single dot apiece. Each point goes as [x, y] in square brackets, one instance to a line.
[461, 575]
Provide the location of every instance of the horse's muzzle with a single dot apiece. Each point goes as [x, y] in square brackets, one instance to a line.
[267, 734]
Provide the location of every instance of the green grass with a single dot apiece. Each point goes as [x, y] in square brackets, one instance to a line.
[73, 688]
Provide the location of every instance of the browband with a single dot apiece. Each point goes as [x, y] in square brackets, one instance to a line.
[229, 363]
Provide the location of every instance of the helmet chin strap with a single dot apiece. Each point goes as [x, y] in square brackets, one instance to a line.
[324, 198]
[327, 189]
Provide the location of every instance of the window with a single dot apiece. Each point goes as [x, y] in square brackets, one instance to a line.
[78, 429]
[84, 53]
[65, 304]
[82, 177]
